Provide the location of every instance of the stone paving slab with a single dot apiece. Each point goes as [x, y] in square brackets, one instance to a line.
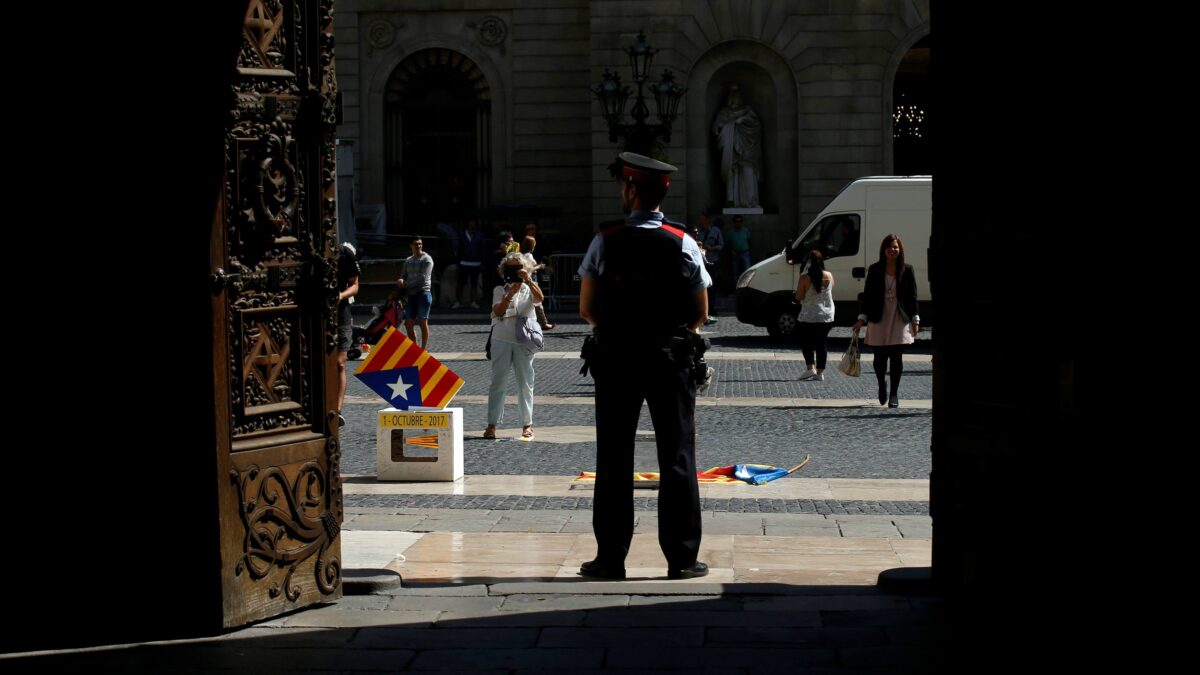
[802, 520]
[510, 619]
[444, 637]
[561, 601]
[376, 521]
[508, 659]
[733, 657]
[914, 530]
[711, 507]
[443, 603]
[258, 656]
[715, 603]
[649, 617]
[765, 636]
[791, 487]
[594, 636]
[337, 617]
[852, 529]
[790, 531]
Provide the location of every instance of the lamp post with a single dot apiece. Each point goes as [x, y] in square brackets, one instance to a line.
[639, 136]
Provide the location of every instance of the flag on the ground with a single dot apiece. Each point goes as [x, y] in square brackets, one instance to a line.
[754, 474]
[407, 376]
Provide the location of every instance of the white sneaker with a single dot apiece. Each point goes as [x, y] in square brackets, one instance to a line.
[456, 305]
[820, 377]
[474, 305]
[808, 375]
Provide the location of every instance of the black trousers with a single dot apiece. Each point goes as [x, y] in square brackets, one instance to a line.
[623, 381]
[812, 342]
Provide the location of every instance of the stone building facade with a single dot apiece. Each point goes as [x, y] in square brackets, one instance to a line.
[484, 107]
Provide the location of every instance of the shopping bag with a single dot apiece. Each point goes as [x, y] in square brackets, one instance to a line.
[851, 363]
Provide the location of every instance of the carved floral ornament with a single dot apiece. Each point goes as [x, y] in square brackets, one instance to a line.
[381, 34]
[493, 31]
[284, 524]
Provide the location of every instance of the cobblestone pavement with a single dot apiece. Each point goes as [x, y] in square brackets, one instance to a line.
[468, 333]
[842, 443]
[859, 440]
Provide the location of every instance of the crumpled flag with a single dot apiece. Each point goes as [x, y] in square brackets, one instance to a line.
[754, 474]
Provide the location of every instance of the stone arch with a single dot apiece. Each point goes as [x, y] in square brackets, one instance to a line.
[498, 131]
[436, 141]
[917, 35]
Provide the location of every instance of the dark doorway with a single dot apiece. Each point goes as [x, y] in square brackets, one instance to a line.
[438, 149]
[911, 118]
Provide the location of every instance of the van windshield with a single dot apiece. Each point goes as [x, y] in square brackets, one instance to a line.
[836, 235]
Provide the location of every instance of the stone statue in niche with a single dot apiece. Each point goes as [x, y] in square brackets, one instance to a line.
[739, 135]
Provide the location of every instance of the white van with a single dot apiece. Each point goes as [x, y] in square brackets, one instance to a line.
[848, 232]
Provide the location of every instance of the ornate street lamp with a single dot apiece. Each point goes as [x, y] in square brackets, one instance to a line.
[639, 136]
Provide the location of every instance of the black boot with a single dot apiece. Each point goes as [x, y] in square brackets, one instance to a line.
[883, 395]
[696, 569]
[599, 570]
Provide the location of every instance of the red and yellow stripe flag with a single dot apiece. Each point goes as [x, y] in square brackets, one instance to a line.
[407, 376]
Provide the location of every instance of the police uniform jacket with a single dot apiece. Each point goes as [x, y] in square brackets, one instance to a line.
[646, 272]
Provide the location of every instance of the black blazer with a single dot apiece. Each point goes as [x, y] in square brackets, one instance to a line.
[871, 299]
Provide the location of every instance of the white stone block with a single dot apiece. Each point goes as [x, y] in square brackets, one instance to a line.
[419, 444]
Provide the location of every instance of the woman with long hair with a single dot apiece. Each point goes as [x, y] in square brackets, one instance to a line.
[815, 294]
[512, 306]
[889, 309]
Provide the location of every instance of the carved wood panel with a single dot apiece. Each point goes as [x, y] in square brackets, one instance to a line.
[274, 258]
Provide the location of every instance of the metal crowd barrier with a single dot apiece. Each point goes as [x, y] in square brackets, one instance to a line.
[562, 268]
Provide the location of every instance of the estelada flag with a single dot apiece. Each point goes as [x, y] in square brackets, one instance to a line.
[407, 376]
[754, 474]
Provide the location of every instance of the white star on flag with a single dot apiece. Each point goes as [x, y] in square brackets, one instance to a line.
[400, 389]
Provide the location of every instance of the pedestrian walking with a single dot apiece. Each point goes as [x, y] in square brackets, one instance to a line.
[814, 292]
[889, 310]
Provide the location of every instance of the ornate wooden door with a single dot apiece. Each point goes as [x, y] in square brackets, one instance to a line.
[274, 246]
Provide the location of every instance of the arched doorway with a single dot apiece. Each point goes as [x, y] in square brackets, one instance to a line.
[911, 120]
[437, 112]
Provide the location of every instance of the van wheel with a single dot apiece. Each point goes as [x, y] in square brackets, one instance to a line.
[782, 324]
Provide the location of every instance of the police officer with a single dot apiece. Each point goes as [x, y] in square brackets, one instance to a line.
[643, 285]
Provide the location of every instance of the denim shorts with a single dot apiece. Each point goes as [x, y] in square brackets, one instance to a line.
[418, 306]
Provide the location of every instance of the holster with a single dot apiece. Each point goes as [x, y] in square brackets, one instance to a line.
[589, 352]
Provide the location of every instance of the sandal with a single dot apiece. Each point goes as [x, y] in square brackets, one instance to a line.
[527, 433]
[490, 432]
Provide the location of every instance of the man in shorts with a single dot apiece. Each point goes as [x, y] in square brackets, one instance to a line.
[417, 284]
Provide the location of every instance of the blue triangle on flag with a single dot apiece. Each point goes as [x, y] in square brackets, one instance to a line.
[400, 387]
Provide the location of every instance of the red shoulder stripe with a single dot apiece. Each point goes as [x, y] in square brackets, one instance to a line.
[673, 230]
